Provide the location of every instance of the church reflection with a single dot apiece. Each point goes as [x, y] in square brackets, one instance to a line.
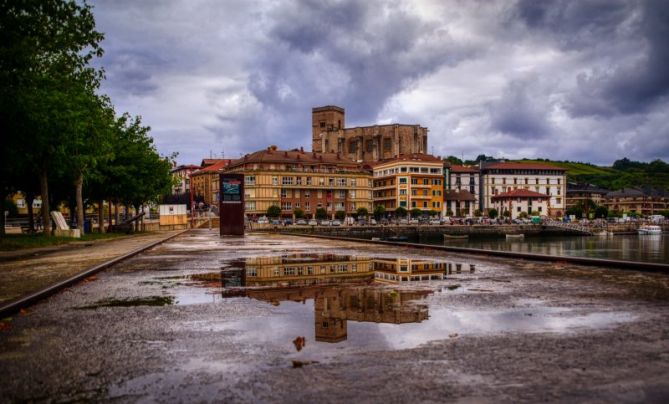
[343, 288]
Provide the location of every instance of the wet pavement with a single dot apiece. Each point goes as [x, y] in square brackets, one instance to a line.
[272, 318]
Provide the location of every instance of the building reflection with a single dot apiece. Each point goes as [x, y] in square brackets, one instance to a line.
[343, 288]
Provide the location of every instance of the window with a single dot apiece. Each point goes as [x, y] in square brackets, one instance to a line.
[414, 169]
[341, 194]
[369, 145]
[403, 191]
[352, 194]
[403, 180]
[353, 147]
[307, 193]
[275, 181]
[387, 144]
[426, 181]
[250, 205]
[425, 192]
[413, 204]
[353, 182]
[403, 204]
[518, 209]
[414, 192]
[425, 204]
[308, 180]
[286, 206]
[424, 170]
[284, 193]
[403, 169]
[250, 180]
[307, 206]
[539, 209]
[341, 182]
[414, 181]
[435, 171]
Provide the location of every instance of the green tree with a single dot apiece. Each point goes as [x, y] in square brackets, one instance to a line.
[477, 213]
[379, 211]
[299, 213]
[453, 160]
[321, 214]
[45, 50]
[433, 213]
[523, 215]
[273, 211]
[506, 213]
[416, 212]
[340, 215]
[362, 212]
[492, 213]
[400, 212]
[601, 212]
[575, 210]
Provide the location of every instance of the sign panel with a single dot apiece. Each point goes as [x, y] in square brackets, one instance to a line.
[231, 204]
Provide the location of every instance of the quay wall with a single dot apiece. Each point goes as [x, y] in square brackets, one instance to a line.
[420, 232]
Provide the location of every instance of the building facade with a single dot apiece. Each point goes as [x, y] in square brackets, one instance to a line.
[502, 177]
[205, 181]
[181, 178]
[520, 202]
[646, 201]
[366, 143]
[461, 190]
[409, 181]
[295, 179]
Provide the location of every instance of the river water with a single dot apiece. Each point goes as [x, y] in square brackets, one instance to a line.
[628, 247]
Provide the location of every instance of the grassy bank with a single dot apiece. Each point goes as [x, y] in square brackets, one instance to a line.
[10, 242]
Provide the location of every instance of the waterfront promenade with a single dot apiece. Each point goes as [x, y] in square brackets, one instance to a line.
[275, 318]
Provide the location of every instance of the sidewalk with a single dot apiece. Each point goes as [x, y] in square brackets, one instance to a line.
[39, 268]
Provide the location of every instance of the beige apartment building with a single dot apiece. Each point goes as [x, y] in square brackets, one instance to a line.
[295, 179]
[409, 181]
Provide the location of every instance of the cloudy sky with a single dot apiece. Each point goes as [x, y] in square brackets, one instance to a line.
[582, 80]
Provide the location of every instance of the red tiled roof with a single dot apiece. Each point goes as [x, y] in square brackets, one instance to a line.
[464, 169]
[522, 166]
[272, 155]
[217, 166]
[519, 193]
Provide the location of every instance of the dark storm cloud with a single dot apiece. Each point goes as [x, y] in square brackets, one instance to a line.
[521, 113]
[582, 79]
[351, 53]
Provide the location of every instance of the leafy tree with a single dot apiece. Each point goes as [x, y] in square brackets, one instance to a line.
[416, 212]
[433, 213]
[379, 211]
[45, 48]
[400, 212]
[321, 214]
[575, 210]
[362, 212]
[477, 213]
[453, 160]
[449, 212]
[523, 215]
[273, 211]
[492, 213]
[601, 212]
[340, 215]
[299, 213]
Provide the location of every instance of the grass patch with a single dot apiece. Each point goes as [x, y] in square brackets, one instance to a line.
[10, 242]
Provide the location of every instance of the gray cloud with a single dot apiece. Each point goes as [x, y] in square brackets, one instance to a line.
[561, 79]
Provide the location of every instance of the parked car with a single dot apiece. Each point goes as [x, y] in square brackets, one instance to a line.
[313, 222]
[435, 222]
[301, 222]
[324, 223]
[276, 222]
[414, 221]
[335, 222]
[263, 220]
[372, 222]
[287, 222]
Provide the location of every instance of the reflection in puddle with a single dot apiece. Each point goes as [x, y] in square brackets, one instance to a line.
[132, 302]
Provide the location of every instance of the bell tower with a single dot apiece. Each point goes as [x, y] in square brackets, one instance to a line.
[324, 120]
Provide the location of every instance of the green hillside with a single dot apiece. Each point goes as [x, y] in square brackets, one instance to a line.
[623, 174]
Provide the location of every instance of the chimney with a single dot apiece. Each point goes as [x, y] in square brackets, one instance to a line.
[301, 149]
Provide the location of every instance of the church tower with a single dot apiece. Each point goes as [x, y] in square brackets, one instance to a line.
[325, 119]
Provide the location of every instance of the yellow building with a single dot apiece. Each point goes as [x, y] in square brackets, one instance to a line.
[409, 181]
[205, 182]
[295, 179]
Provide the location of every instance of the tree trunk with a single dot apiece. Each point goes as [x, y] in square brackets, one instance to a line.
[30, 197]
[116, 213]
[3, 196]
[109, 213]
[44, 193]
[101, 216]
[79, 185]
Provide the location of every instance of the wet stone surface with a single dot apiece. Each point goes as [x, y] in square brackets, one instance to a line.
[279, 318]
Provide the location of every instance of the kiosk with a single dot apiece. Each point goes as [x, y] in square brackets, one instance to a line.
[231, 204]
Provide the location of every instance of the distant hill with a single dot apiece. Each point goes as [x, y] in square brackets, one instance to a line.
[623, 174]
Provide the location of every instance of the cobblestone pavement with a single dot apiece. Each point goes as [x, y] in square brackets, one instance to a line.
[27, 274]
[270, 318]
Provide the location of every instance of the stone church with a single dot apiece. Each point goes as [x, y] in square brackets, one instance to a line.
[363, 144]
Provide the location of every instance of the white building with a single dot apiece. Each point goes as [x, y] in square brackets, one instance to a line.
[503, 177]
[461, 194]
[518, 201]
[181, 176]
